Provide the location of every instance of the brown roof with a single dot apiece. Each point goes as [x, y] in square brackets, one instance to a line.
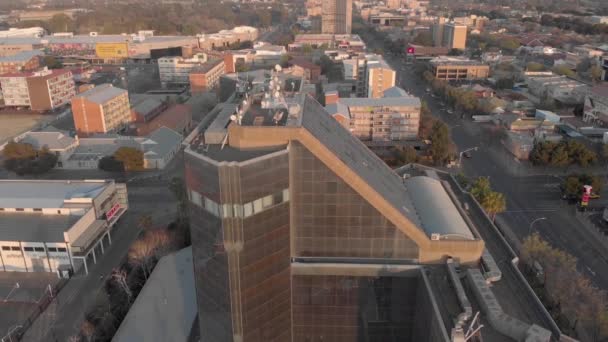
[304, 63]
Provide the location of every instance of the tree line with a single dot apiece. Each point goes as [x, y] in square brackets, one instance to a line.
[571, 296]
[562, 153]
[578, 25]
[24, 159]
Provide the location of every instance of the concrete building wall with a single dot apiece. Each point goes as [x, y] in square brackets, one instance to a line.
[454, 36]
[378, 80]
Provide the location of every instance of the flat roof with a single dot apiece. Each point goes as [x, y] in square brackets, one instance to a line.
[46, 193]
[166, 307]
[101, 93]
[455, 60]
[22, 56]
[33, 227]
[409, 101]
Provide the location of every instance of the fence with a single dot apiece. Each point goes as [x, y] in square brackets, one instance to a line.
[48, 297]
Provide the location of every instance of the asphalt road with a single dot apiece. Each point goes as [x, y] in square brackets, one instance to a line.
[528, 197]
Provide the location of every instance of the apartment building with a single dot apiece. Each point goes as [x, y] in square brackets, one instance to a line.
[458, 68]
[57, 226]
[379, 121]
[22, 61]
[449, 34]
[379, 76]
[207, 76]
[102, 109]
[337, 16]
[38, 90]
[176, 70]
[298, 228]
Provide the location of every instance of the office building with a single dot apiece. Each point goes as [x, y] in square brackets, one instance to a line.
[370, 73]
[176, 70]
[347, 42]
[57, 226]
[379, 121]
[22, 61]
[300, 233]
[38, 90]
[207, 76]
[449, 34]
[225, 38]
[337, 16]
[458, 68]
[103, 109]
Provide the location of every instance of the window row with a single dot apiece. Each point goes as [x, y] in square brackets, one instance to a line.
[34, 249]
[239, 210]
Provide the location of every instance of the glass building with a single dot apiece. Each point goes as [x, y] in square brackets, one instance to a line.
[300, 233]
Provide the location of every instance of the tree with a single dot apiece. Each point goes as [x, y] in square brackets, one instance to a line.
[564, 70]
[140, 255]
[61, 23]
[14, 150]
[424, 39]
[596, 73]
[145, 221]
[481, 188]
[494, 203]
[51, 62]
[405, 154]
[583, 66]
[131, 158]
[440, 141]
[533, 66]
[509, 44]
[110, 164]
[24, 159]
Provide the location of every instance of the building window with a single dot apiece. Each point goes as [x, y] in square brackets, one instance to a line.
[28, 249]
[39, 249]
[19, 209]
[257, 206]
[6, 248]
[196, 198]
[52, 249]
[61, 249]
[247, 209]
[37, 209]
[15, 248]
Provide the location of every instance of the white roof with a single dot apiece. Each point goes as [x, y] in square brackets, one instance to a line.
[52, 140]
[437, 212]
[46, 194]
[165, 308]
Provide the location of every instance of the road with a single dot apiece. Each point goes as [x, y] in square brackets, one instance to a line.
[529, 195]
[63, 318]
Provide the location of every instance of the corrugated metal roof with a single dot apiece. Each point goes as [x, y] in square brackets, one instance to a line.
[166, 307]
[45, 194]
[102, 93]
[35, 227]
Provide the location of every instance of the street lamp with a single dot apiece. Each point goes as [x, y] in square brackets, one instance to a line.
[463, 152]
[533, 222]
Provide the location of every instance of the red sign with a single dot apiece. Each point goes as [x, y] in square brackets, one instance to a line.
[410, 50]
[585, 199]
[110, 213]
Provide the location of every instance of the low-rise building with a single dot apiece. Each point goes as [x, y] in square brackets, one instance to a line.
[177, 117]
[147, 110]
[385, 120]
[38, 90]
[225, 38]
[309, 70]
[22, 61]
[458, 68]
[57, 226]
[558, 88]
[350, 42]
[102, 109]
[206, 76]
[176, 70]
[23, 32]
[58, 142]
[595, 109]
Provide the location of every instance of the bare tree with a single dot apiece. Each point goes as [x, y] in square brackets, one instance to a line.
[141, 254]
[120, 278]
[145, 221]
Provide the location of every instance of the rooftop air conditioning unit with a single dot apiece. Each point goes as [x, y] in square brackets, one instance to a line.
[93, 34]
[406, 176]
[435, 237]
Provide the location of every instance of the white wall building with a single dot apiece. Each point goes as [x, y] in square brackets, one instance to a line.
[596, 106]
[57, 226]
[36, 32]
[177, 69]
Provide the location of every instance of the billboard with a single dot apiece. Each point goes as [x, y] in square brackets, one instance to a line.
[111, 50]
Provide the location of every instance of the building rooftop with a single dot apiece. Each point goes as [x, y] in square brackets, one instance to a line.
[46, 73]
[33, 227]
[161, 142]
[147, 106]
[52, 140]
[21, 57]
[404, 101]
[205, 67]
[166, 307]
[47, 193]
[101, 93]
[455, 60]
[600, 91]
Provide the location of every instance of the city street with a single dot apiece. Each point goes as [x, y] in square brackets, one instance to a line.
[63, 317]
[529, 194]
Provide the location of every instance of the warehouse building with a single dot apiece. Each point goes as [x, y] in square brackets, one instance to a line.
[57, 225]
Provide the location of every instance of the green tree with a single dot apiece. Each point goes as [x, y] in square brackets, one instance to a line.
[560, 156]
[541, 153]
[583, 66]
[509, 44]
[110, 164]
[481, 188]
[14, 150]
[131, 158]
[52, 63]
[533, 66]
[564, 70]
[307, 49]
[440, 143]
[505, 83]
[494, 203]
[424, 39]
[24, 159]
